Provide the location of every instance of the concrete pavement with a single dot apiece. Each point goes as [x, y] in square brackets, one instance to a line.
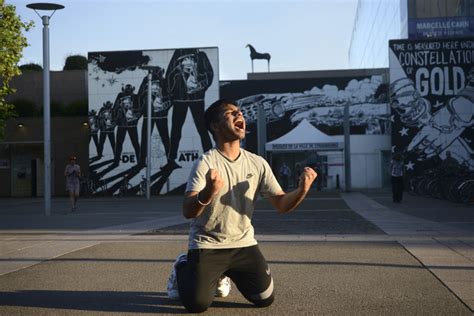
[338, 254]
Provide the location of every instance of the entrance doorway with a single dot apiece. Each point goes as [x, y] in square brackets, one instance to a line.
[26, 171]
[386, 177]
[296, 161]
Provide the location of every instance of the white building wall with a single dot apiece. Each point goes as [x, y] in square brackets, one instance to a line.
[376, 22]
[366, 161]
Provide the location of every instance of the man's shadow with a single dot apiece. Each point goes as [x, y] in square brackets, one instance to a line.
[101, 301]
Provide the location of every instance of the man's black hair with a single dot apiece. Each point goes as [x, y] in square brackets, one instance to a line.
[212, 112]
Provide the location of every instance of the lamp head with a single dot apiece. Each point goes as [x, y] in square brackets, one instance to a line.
[45, 6]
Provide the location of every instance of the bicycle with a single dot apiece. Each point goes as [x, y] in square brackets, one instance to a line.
[125, 186]
[142, 187]
[87, 187]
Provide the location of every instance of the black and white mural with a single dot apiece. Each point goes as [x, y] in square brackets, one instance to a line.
[432, 102]
[182, 81]
[292, 103]
[321, 101]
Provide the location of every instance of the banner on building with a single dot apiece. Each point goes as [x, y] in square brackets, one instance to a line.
[432, 102]
[183, 82]
[320, 101]
[454, 26]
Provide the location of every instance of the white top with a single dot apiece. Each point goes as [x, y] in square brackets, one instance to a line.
[226, 222]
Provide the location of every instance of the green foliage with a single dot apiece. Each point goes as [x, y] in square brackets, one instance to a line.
[56, 108]
[30, 67]
[25, 108]
[12, 43]
[77, 108]
[75, 62]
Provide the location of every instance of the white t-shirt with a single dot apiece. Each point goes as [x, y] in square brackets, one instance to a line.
[226, 222]
[396, 168]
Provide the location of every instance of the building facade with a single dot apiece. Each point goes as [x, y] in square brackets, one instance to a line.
[21, 150]
[319, 97]
[316, 97]
[21, 154]
[378, 21]
[66, 87]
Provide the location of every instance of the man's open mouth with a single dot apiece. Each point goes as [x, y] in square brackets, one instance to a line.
[239, 124]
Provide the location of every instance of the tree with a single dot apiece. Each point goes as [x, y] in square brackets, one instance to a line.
[75, 62]
[12, 43]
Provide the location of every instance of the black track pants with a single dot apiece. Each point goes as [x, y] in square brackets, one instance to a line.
[197, 279]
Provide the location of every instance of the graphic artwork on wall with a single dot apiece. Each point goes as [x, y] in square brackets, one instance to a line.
[182, 81]
[320, 101]
[432, 101]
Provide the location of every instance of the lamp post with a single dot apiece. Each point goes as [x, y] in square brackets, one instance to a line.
[148, 130]
[148, 143]
[46, 100]
[347, 148]
[261, 130]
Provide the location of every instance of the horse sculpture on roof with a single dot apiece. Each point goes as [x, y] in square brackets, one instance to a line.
[256, 55]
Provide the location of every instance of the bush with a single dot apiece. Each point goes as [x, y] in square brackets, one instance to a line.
[25, 108]
[30, 67]
[77, 108]
[56, 108]
[75, 62]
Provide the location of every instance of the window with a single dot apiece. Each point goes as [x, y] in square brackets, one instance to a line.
[439, 8]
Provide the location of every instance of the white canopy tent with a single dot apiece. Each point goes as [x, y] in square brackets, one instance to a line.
[304, 137]
[304, 145]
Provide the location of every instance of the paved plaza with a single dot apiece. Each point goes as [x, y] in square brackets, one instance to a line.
[338, 253]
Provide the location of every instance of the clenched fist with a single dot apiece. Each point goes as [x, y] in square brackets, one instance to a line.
[214, 182]
[307, 178]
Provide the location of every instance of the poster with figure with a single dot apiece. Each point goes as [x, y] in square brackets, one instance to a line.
[432, 102]
[93, 122]
[321, 101]
[182, 82]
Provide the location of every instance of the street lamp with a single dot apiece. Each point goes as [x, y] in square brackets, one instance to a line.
[347, 148]
[148, 132]
[261, 130]
[46, 101]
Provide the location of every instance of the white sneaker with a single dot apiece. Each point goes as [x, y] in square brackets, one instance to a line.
[223, 286]
[172, 287]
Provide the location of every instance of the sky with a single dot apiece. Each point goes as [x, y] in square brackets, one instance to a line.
[300, 35]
